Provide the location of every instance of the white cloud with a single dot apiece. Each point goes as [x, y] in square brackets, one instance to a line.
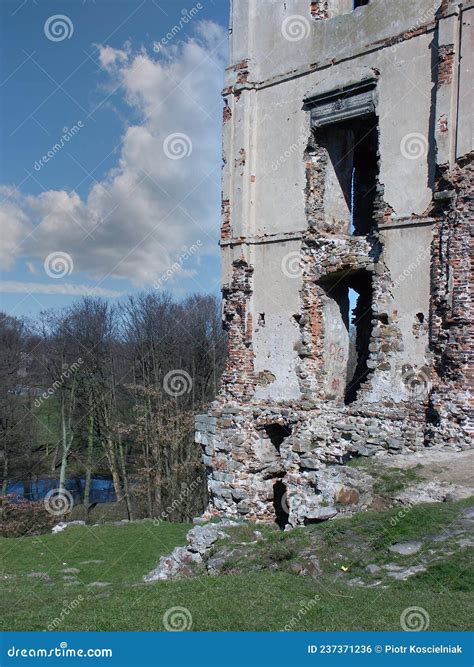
[14, 225]
[109, 56]
[14, 287]
[138, 219]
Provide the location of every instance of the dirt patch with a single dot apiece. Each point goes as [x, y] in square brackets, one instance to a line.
[438, 466]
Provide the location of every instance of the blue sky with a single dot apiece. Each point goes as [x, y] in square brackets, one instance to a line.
[122, 98]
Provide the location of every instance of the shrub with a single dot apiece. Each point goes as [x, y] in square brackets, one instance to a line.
[24, 517]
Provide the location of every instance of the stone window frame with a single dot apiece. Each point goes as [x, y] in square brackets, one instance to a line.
[342, 104]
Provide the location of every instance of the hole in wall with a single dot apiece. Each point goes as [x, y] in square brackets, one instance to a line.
[360, 331]
[277, 433]
[420, 317]
[432, 415]
[280, 504]
[352, 294]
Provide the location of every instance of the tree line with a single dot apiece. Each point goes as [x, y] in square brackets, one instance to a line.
[103, 389]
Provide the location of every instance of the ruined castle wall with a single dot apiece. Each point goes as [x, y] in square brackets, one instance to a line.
[280, 213]
[375, 208]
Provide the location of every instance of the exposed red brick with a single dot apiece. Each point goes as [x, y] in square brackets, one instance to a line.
[445, 65]
[238, 378]
[319, 9]
[243, 71]
[401, 37]
[226, 114]
[225, 226]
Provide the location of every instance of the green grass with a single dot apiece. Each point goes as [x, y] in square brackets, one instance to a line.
[387, 480]
[396, 479]
[252, 600]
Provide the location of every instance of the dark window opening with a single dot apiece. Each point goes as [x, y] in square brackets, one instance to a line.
[277, 433]
[352, 147]
[280, 504]
[261, 319]
[360, 3]
[364, 177]
[420, 317]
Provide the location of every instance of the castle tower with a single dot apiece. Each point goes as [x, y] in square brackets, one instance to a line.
[345, 248]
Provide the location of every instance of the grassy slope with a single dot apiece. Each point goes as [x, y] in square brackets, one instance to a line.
[265, 600]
